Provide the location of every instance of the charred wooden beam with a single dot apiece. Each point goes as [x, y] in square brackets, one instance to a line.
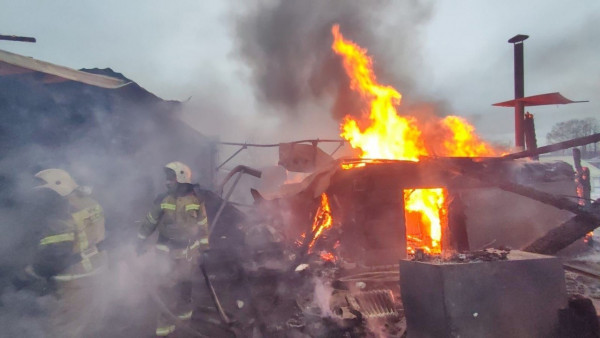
[554, 147]
[530, 138]
[581, 269]
[559, 202]
[556, 201]
[457, 224]
[567, 233]
[16, 38]
[304, 248]
[587, 218]
[582, 178]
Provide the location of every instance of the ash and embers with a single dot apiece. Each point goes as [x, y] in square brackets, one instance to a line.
[308, 289]
[486, 255]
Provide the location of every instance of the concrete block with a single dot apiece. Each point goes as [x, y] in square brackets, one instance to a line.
[517, 297]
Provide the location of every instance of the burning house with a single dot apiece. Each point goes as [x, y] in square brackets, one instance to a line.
[425, 193]
[393, 208]
[321, 257]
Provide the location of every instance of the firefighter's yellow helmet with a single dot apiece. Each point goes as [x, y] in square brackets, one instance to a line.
[183, 173]
[57, 180]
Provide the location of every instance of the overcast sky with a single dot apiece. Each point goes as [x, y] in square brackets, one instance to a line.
[457, 53]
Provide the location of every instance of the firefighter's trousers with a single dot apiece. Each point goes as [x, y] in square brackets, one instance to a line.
[175, 291]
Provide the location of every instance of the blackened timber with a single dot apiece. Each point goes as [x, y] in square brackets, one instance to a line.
[586, 219]
[530, 138]
[540, 196]
[554, 147]
[457, 224]
[581, 270]
[582, 179]
[310, 236]
[566, 233]
[547, 198]
[16, 38]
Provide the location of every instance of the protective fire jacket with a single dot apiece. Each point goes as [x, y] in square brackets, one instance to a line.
[181, 222]
[68, 250]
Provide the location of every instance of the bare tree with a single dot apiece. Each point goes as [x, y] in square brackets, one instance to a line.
[571, 129]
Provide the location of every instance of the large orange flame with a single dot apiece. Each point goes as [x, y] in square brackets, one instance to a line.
[463, 140]
[383, 134]
[323, 220]
[389, 135]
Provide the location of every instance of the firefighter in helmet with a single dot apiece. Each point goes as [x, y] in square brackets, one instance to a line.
[180, 218]
[67, 255]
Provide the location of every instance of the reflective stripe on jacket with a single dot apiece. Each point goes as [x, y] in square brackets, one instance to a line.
[181, 222]
[74, 241]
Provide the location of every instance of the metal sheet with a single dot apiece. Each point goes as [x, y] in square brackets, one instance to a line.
[538, 100]
[14, 64]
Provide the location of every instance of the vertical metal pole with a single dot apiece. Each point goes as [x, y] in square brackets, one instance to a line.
[214, 158]
[519, 93]
[517, 40]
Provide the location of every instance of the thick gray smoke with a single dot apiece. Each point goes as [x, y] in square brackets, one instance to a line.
[287, 45]
[115, 141]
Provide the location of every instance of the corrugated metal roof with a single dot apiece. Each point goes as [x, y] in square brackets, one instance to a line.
[14, 64]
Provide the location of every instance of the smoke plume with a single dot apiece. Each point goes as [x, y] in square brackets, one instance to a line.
[287, 46]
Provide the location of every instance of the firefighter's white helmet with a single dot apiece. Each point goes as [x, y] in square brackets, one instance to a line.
[57, 180]
[183, 173]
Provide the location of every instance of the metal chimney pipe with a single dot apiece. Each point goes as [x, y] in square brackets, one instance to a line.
[517, 40]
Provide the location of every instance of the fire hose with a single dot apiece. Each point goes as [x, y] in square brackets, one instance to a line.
[213, 294]
[224, 317]
[181, 324]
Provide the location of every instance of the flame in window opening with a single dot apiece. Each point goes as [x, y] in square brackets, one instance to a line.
[425, 212]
